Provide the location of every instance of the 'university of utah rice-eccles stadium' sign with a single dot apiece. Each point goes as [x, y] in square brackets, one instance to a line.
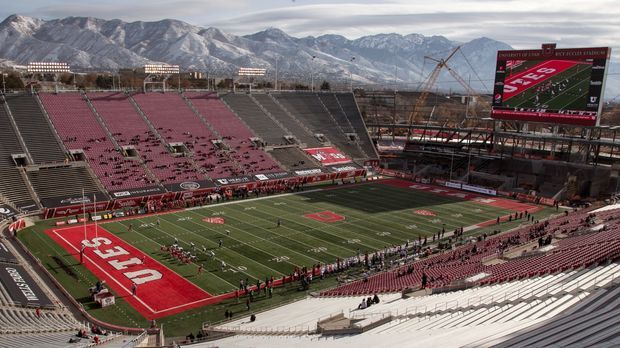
[21, 287]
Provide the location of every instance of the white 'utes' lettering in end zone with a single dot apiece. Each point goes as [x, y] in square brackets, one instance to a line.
[111, 255]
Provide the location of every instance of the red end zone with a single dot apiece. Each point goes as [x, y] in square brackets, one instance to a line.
[160, 292]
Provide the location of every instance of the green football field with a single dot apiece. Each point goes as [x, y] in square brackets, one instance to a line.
[254, 247]
[375, 214]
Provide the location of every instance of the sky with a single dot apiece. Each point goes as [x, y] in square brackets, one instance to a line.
[519, 23]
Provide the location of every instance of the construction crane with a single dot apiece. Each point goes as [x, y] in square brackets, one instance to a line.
[427, 87]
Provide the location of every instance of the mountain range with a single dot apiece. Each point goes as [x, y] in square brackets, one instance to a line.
[88, 44]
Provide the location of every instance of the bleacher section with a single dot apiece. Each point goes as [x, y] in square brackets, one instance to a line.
[177, 123]
[465, 261]
[21, 320]
[10, 142]
[59, 182]
[234, 133]
[79, 129]
[467, 317]
[154, 140]
[292, 125]
[293, 158]
[349, 107]
[592, 322]
[129, 129]
[35, 129]
[309, 109]
[253, 115]
[61, 339]
[12, 185]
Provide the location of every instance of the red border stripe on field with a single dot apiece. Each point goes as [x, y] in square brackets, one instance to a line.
[161, 297]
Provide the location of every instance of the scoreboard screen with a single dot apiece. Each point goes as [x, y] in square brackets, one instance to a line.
[550, 85]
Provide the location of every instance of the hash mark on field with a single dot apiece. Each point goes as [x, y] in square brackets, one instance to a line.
[279, 203]
[457, 215]
[411, 227]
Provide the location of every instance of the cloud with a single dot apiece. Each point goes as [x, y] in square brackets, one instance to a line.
[522, 24]
[188, 10]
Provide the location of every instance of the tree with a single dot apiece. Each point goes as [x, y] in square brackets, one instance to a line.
[13, 81]
[325, 86]
[104, 82]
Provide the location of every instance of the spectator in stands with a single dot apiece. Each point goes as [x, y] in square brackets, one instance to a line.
[362, 305]
[375, 299]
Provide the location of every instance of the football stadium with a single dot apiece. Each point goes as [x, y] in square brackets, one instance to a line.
[171, 209]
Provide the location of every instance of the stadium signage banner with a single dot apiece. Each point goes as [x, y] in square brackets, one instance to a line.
[234, 181]
[7, 212]
[139, 192]
[272, 176]
[563, 86]
[328, 155]
[347, 168]
[74, 200]
[471, 188]
[28, 206]
[190, 185]
[456, 185]
[75, 209]
[305, 172]
[21, 287]
[479, 189]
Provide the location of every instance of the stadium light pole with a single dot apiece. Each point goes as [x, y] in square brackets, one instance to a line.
[251, 72]
[48, 68]
[351, 73]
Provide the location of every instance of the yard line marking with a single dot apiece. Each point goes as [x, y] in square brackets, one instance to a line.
[223, 234]
[284, 236]
[147, 237]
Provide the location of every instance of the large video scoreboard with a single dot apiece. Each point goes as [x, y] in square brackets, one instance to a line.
[550, 85]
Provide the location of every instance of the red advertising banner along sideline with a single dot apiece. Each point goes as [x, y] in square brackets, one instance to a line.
[328, 155]
[160, 291]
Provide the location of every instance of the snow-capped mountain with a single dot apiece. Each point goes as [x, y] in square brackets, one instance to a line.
[91, 43]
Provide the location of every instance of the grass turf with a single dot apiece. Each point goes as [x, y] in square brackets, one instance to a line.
[254, 247]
